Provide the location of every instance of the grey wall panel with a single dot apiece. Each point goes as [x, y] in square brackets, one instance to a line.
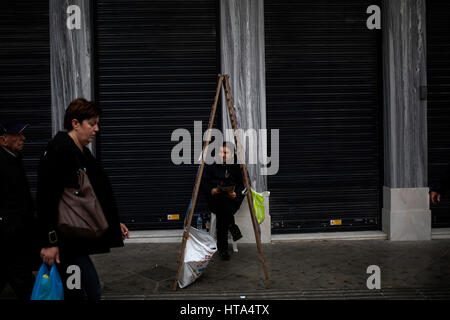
[71, 57]
[242, 56]
[404, 72]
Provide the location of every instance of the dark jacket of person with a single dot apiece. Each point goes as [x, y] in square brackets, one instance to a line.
[443, 185]
[16, 205]
[222, 175]
[57, 170]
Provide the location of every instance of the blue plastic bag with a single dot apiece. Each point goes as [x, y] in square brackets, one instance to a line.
[48, 286]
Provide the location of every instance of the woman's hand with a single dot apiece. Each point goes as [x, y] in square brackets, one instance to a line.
[125, 232]
[214, 191]
[50, 255]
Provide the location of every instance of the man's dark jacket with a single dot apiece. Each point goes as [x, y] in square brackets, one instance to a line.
[222, 175]
[443, 185]
[57, 170]
[16, 207]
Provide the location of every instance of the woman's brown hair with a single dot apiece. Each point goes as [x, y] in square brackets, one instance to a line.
[80, 109]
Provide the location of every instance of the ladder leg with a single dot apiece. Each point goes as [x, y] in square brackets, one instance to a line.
[241, 160]
[197, 183]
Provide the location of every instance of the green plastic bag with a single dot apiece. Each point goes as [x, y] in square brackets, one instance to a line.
[258, 203]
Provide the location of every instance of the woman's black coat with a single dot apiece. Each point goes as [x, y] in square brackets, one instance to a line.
[57, 170]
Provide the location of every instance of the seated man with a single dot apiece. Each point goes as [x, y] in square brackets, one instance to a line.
[222, 184]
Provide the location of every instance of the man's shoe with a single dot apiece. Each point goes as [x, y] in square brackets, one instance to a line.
[224, 255]
[235, 232]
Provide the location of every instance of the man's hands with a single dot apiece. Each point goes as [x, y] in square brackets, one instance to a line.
[230, 194]
[434, 195]
[50, 255]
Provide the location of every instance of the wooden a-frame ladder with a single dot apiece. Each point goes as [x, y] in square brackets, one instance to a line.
[223, 80]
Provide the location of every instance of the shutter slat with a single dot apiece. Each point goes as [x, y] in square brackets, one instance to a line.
[322, 77]
[157, 71]
[438, 74]
[25, 87]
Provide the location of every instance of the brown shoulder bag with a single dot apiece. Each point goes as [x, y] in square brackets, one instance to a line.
[79, 212]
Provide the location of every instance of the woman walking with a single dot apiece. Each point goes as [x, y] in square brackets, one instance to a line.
[58, 169]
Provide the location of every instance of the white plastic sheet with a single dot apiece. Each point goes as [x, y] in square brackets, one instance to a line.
[200, 248]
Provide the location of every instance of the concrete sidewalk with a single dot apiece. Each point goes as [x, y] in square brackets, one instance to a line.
[298, 270]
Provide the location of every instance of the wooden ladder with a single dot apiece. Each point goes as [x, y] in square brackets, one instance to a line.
[223, 81]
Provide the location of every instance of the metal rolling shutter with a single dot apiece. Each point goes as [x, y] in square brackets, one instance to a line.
[438, 65]
[25, 88]
[157, 65]
[323, 93]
